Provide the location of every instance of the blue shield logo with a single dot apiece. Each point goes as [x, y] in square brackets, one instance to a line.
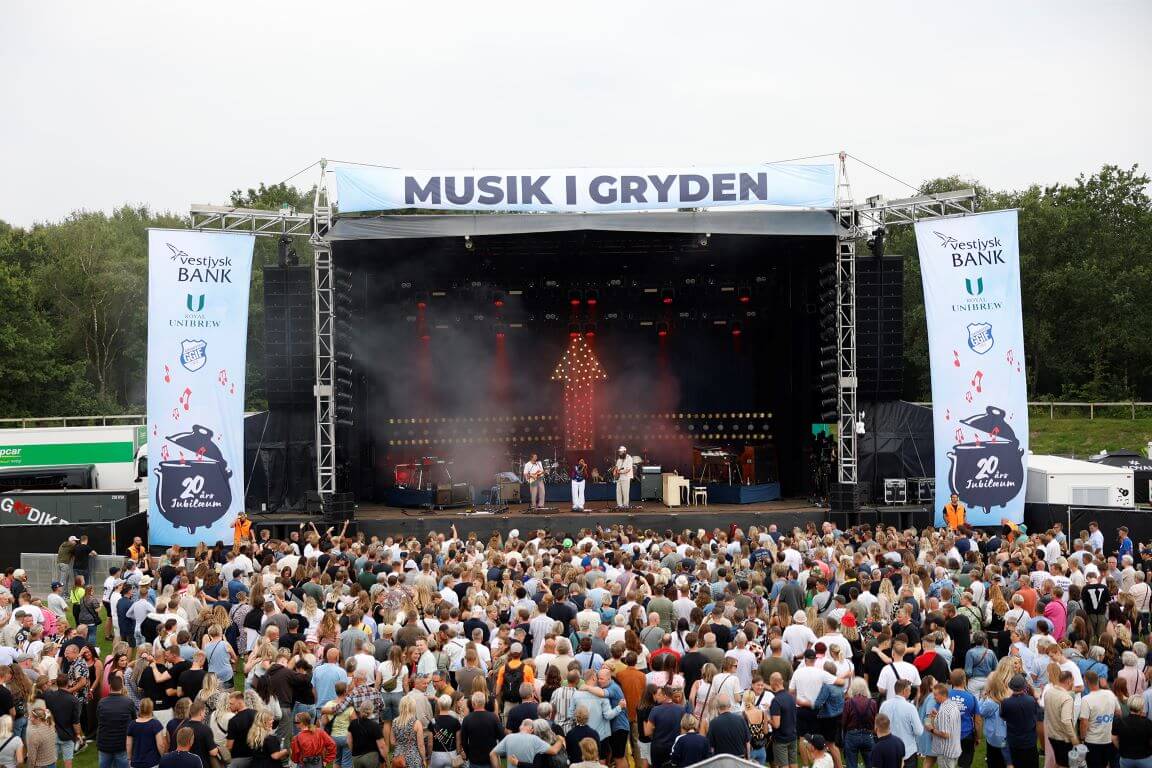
[193, 354]
[980, 337]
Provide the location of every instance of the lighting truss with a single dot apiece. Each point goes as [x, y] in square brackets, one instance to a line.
[221, 218]
[878, 212]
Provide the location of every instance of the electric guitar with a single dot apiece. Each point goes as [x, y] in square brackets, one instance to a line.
[532, 477]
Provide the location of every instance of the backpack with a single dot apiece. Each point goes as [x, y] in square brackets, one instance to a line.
[510, 689]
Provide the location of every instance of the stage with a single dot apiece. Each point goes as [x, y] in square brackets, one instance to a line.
[382, 520]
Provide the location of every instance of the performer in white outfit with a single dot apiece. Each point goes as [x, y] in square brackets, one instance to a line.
[534, 476]
[623, 473]
[579, 476]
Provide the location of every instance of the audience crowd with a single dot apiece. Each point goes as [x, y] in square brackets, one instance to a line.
[603, 647]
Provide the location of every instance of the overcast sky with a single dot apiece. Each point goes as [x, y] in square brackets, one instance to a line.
[171, 103]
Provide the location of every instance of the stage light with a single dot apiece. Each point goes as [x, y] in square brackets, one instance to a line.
[667, 295]
[830, 349]
[744, 295]
[827, 282]
[425, 336]
[468, 245]
[573, 330]
[662, 329]
[590, 330]
[592, 297]
[737, 329]
[575, 297]
[421, 299]
[498, 299]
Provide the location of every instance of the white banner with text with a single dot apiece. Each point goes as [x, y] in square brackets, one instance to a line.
[970, 266]
[197, 345]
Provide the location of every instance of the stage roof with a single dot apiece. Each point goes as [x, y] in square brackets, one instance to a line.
[815, 223]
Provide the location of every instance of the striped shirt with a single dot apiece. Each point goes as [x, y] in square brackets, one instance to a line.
[948, 721]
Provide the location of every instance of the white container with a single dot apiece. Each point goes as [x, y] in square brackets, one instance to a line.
[1057, 480]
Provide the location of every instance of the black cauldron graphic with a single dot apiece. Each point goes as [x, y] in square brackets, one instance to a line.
[988, 472]
[194, 492]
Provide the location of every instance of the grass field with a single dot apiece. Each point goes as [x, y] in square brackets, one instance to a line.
[1082, 437]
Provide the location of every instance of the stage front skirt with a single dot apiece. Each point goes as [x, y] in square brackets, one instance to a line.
[197, 339]
[971, 273]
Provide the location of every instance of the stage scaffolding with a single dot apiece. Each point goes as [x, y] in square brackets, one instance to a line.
[855, 222]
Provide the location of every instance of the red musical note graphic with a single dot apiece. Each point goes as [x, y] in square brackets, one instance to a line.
[959, 435]
[955, 358]
[181, 457]
[947, 414]
[167, 375]
[164, 452]
[978, 381]
[968, 395]
[186, 398]
[153, 430]
[1011, 357]
[200, 453]
[232, 389]
[222, 377]
[175, 414]
[995, 433]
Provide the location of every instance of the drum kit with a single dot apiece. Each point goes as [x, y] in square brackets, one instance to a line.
[424, 474]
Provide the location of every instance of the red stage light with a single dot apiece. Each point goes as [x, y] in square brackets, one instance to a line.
[500, 334]
[667, 299]
[591, 301]
[421, 304]
[574, 302]
[745, 299]
[589, 334]
[736, 331]
[498, 302]
[425, 337]
[662, 330]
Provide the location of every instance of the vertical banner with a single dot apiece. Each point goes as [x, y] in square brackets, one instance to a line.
[971, 271]
[197, 337]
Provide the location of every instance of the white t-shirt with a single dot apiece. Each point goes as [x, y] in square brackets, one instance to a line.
[532, 468]
[1099, 709]
[897, 670]
[798, 638]
[806, 682]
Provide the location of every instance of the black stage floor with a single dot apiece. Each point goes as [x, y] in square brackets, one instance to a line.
[379, 520]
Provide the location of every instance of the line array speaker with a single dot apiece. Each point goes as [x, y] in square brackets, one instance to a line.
[880, 327]
[289, 341]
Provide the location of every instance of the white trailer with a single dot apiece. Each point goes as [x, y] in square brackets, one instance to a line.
[112, 449]
[1057, 480]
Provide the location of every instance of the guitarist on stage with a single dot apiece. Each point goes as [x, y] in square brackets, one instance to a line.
[534, 476]
[622, 472]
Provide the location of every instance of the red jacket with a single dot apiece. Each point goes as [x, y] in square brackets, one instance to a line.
[311, 743]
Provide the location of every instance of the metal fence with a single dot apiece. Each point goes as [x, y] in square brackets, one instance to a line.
[130, 419]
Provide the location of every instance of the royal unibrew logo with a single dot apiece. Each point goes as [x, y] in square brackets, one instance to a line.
[195, 303]
[974, 287]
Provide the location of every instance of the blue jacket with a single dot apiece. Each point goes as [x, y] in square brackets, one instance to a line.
[830, 701]
[689, 749]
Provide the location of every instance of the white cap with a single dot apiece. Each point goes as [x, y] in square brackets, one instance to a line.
[799, 617]
[514, 533]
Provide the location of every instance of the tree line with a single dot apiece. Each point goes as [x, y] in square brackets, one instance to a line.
[73, 297]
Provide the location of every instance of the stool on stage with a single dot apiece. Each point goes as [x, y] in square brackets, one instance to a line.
[699, 495]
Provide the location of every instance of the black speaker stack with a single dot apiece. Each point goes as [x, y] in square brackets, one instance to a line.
[289, 341]
[880, 326]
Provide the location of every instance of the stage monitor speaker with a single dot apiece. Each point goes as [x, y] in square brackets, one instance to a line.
[443, 497]
[289, 342]
[340, 506]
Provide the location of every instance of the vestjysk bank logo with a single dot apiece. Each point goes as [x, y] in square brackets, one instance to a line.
[193, 354]
[980, 337]
[972, 253]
